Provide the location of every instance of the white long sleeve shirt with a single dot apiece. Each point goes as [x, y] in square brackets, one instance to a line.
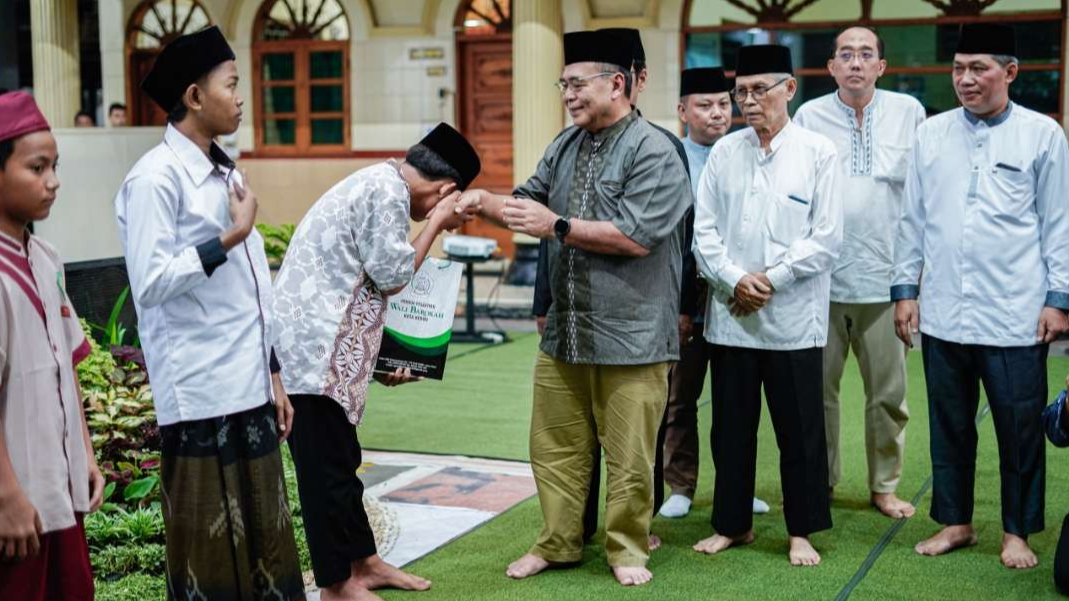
[205, 321]
[986, 220]
[870, 180]
[775, 213]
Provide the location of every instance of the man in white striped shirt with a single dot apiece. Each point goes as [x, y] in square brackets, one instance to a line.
[873, 131]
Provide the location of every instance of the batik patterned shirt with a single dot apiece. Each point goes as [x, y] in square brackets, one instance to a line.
[349, 249]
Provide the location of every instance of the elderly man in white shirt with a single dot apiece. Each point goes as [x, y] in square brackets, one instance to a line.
[767, 231]
[202, 290]
[984, 243]
[873, 131]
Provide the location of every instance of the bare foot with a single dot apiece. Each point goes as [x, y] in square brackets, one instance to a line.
[373, 573]
[528, 565]
[891, 506]
[718, 542]
[348, 590]
[1016, 553]
[946, 540]
[654, 542]
[632, 576]
[802, 552]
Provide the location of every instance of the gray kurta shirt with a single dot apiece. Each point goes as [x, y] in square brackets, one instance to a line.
[610, 309]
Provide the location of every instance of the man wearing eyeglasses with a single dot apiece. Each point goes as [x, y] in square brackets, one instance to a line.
[983, 243]
[873, 131]
[688, 301]
[609, 194]
[705, 108]
[766, 239]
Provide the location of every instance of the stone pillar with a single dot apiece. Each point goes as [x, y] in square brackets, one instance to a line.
[537, 61]
[57, 81]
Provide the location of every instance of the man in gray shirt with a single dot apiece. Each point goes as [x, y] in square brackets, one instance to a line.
[609, 194]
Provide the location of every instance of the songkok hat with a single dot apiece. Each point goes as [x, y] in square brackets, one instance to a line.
[598, 47]
[638, 52]
[986, 38]
[455, 150]
[182, 62]
[763, 58]
[703, 80]
[19, 116]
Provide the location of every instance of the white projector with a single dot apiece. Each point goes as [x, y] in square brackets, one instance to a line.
[469, 246]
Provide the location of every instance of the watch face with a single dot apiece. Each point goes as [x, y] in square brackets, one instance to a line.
[561, 227]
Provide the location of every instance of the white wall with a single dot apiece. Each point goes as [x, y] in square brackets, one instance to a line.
[93, 163]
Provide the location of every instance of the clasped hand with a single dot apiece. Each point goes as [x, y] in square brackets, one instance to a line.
[752, 293]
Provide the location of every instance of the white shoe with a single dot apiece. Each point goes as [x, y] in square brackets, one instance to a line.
[759, 506]
[676, 506]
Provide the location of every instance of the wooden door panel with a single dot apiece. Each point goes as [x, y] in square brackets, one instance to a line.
[145, 110]
[496, 157]
[485, 118]
[494, 118]
[492, 70]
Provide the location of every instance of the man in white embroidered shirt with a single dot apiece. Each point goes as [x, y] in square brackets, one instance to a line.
[202, 290]
[984, 243]
[349, 253]
[766, 238]
[873, 131]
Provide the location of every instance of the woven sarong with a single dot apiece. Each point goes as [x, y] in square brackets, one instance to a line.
[228, 523]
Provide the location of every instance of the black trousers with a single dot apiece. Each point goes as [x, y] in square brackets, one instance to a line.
[1061, 559]
[793, 385]
[1015, 380]
[326, 454]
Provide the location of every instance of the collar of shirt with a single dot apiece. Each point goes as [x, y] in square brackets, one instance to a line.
[400, 175]
[782, 136]
[15, 245]
[198, 165]
[851, 113]
[692, 145]
[614, 129]
[998, 119]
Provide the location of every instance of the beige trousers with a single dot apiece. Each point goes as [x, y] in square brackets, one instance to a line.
[621, 407]
[869, 330]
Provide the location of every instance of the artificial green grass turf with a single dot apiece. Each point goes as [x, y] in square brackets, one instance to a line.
[483, 408]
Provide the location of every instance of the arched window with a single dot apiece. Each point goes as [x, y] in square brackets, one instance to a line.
[485, 17]
[301, 77]
[153, 25]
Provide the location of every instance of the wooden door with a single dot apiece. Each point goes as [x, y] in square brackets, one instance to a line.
[143, 110]
[485, 118]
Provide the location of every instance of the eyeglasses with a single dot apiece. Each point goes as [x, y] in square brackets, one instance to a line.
[741, 94]
[578, 83]
[846, 56]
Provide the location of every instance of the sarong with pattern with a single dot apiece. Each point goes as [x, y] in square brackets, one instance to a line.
[228, 522]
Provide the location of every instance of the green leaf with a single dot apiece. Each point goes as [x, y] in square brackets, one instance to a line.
[115, 330]
[109, 489]
[139, 489]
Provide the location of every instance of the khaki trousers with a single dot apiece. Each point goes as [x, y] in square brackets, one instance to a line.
[576, 406]
[869, 330]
